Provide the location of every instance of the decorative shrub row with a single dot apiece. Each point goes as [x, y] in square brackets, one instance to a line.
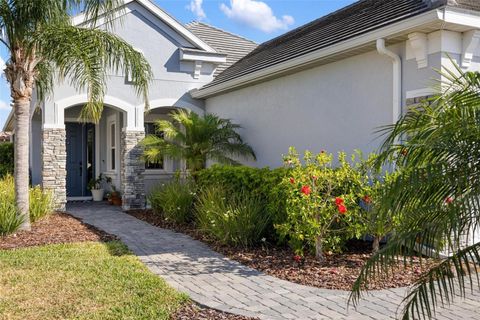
[40, 206]
[315, 204]
[6, 159]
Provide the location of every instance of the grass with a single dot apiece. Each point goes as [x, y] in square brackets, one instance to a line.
[82, 281]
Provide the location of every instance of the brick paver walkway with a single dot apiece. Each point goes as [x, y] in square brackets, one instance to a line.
[217, 282]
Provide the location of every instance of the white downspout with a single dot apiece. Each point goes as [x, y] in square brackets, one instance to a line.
[397, 78]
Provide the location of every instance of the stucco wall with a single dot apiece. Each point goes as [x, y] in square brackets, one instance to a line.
[333, 107]
[160, 45]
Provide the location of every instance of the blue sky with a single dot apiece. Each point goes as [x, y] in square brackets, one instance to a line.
[258, 20]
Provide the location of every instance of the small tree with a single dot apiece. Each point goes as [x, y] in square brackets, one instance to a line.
[322, 209]
[195, 139]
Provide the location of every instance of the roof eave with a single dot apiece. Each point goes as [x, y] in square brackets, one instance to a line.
[281, 68]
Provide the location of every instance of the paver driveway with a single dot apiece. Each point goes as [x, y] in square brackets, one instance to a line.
[217, 282]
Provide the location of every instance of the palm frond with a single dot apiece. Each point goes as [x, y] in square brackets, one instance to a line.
[86, 56]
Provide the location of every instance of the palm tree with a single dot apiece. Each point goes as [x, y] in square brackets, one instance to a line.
[195, 139]
[43, 47]
[436, 147]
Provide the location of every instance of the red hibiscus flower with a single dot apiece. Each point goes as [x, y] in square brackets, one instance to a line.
[367, 199]
[306, 190]
[338, 201]
[448, 200]
[297, 258]
[342, 209]
[292, 181]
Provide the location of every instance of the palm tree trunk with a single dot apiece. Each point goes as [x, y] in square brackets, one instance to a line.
[21, 147]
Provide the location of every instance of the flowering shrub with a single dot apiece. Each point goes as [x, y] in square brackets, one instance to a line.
[378, 221]
[322, 202]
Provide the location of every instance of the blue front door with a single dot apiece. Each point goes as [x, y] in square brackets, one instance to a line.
[80, 158]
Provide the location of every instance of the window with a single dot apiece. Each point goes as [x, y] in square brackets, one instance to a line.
[151, 129]
[112, 159]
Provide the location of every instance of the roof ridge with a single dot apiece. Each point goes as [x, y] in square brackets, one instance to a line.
[221, 30]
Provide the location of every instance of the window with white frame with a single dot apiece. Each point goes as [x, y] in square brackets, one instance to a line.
[112, 145]
[151, 129]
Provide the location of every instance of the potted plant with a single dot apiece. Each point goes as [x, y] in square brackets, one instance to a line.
[95, 186]
[114, 197]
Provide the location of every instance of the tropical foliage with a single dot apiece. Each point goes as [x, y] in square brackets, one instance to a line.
[196, 139]
[44, 46]
[234, 218]
[174, 200]
[436, 148]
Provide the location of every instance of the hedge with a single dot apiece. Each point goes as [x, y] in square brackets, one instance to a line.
[6, 159]
[264, 183]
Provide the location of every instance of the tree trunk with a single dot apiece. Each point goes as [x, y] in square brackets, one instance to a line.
[376, 244]
[319, 249]
[22, 161]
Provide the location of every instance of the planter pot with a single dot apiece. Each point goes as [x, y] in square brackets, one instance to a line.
[116, 201]
[97, 194]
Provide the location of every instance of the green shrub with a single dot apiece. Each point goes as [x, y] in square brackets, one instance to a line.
[40, 203]
[233, 218]
[174, 201]
[9, 220]
[263, 183]
[322, 202]
[6, 159]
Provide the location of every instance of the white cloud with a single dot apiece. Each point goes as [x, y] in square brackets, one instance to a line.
[4, 105]
[256, 14]
[196, 7]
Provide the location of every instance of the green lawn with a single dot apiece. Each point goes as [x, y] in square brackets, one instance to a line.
[81, 281]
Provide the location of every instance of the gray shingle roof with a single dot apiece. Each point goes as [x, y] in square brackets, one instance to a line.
[356, 19]
[236, 47]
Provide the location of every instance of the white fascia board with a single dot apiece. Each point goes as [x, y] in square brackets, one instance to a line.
[461, 17]
[165, 17]
[195, 55]
[394, 29]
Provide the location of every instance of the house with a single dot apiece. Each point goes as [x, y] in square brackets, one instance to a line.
[66, 153]
[325, 85]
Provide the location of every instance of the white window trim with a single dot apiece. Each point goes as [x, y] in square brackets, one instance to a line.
[112, 119]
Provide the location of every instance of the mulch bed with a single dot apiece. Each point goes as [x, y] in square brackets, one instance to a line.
[55, 228]
[339, 271]
[193, 311]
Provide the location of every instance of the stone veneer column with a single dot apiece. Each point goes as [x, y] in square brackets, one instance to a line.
[54, 161]
[132, 170]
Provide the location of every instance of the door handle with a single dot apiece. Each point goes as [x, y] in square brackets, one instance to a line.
[81, 168]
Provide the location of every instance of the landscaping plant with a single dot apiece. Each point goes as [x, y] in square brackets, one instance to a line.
[232, 218]
[263, 183]
[6, 159]
[378, 223]
[196, 139]
[436, 148]
[321, 205]
[43, 47]
[174, 200]
[10, 221]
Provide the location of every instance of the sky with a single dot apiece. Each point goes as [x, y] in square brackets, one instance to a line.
[258, 20]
